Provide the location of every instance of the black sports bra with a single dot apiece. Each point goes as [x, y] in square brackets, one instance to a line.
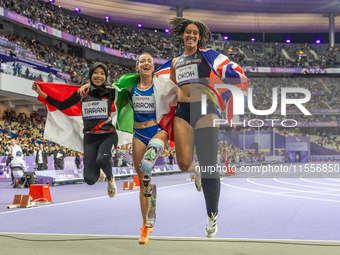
[192, 69]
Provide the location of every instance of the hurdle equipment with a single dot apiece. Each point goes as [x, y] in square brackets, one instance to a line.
[136, 180]
[40, 193]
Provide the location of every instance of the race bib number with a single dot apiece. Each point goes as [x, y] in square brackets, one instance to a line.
[95, 110]
[187, 74]
[144, 104]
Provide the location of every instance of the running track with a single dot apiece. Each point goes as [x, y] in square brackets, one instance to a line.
[250, 208]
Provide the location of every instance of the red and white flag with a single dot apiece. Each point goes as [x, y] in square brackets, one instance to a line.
[63, 127]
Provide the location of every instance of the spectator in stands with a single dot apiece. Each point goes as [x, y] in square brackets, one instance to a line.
[171, 158]
[19, 69]
[41, 158]
[27, 73]
[59, 156]
[24, 149]
[39, 78]
[15, 68]
[50, 77]
[77, 160]
[14, 148]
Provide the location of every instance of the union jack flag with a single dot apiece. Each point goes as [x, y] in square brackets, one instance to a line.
[222, 69]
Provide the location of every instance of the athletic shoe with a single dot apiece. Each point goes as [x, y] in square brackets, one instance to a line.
[111, 187]
[198, 181]
[211, 228]
[102, 176]
[144, 237]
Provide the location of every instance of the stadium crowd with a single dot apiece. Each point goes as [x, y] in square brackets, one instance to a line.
[136, 40]
[90, 29]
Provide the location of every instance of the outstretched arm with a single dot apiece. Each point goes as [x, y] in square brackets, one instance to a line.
[60, 105]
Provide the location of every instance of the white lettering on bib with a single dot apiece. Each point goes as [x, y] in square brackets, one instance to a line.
[187, 74]
[95, 110]
[144, 104]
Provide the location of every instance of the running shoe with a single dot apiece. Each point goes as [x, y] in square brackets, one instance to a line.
[211, 228]
[144, 237]
[102, 176]
[198, 181]
[111, 187]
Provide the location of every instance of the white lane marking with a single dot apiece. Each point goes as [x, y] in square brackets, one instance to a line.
[303, 179]
[296, 190]
[281, 194]
[333, 179]
[307, 186]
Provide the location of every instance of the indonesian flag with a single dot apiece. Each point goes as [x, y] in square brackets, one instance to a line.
[63, 127]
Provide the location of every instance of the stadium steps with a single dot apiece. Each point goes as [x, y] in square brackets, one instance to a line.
[325, 86]
[242, 52]
[285, 54]
[314, 54]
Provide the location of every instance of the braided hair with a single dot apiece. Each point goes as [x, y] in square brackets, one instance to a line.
[178, 26]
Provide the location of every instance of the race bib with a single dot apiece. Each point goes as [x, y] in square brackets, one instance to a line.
[95, 110]
[144, 104]
[187, 74]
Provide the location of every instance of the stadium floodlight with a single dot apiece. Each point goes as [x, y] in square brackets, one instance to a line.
[225, 37]
[167, 30]
[318, 41]
[107, 18]
[140, 25]
[288, 41]
[77, 9]
[252, 39]
[51, 1]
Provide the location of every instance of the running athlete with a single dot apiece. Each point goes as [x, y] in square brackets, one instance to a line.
[190, 72]
[149, 138]
[99, 132]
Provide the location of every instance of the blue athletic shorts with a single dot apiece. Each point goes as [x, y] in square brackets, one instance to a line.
[145, 134]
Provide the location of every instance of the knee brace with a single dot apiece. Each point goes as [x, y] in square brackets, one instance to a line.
[154, 149]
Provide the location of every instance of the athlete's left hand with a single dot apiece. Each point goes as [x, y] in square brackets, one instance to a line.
[83, 89]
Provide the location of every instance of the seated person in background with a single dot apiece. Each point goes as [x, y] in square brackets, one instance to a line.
[18, 167]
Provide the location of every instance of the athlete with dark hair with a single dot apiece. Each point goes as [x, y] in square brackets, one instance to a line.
[99, 133]
[191, 72]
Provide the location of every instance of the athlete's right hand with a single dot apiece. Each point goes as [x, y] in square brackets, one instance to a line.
[38, 90]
